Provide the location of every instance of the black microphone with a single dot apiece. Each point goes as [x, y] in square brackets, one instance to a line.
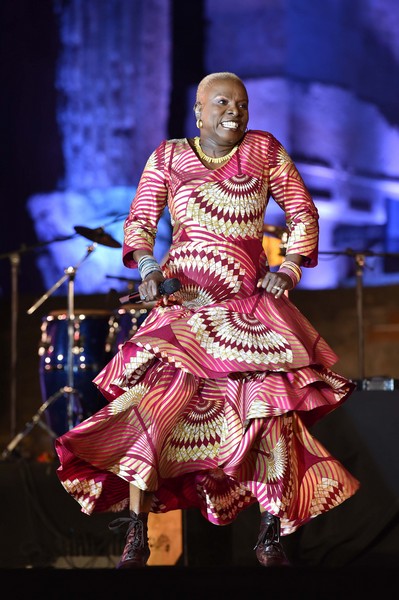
[167, 287]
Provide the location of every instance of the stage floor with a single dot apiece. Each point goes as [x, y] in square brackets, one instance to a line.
[182, 583]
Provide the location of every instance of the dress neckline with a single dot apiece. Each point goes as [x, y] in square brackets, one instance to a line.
[216, 167]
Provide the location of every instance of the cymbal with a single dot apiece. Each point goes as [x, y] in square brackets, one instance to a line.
[98, 235]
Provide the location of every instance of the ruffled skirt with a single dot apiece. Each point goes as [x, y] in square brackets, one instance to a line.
[208, 408]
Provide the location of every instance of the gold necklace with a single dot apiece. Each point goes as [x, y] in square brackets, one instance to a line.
[212, 159]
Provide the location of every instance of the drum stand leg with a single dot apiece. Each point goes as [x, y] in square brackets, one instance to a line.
[36, 420]
[69, 390]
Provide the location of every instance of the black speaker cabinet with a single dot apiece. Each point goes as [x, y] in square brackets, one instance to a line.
[363, 435]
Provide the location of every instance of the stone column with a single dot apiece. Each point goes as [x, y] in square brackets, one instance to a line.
[114, 90]
[114, 86]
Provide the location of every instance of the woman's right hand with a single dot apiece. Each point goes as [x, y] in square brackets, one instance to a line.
[148, 289]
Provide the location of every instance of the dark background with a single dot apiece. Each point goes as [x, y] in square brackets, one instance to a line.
[362, 436]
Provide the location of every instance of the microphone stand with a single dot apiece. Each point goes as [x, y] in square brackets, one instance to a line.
[360, 261]
[69, 391]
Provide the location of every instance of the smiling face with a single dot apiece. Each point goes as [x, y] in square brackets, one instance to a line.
[222, 106]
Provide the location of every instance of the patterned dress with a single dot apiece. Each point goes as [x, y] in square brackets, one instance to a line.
[209, 402]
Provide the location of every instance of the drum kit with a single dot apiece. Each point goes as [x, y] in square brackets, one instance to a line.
[74, 346]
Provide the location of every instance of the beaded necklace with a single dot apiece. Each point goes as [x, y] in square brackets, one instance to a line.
[212, 159]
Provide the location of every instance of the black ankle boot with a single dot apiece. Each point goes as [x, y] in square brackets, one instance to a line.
[269, 550]
[136, 551]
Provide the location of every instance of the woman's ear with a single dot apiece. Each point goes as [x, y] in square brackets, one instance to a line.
[197, 110]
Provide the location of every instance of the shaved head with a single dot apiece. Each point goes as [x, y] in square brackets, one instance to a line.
[207, 81]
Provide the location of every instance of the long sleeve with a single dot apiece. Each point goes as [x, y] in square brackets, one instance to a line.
[140, 226]
[291, 194]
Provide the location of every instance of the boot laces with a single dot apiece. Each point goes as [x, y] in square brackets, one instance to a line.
[269, 532]
[137, 541]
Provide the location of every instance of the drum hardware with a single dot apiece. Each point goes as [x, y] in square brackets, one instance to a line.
[37, 420]
[101, 237]
[15, 259]
[68, 391]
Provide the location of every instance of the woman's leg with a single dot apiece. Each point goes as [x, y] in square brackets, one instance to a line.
[139, 501]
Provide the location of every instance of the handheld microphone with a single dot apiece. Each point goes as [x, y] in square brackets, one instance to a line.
[167, 287]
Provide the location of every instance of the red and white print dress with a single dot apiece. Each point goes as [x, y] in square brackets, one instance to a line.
[210, 400]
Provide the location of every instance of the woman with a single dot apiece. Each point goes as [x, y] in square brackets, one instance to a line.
[210, 400]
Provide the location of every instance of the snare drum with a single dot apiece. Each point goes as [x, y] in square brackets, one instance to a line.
[89, 355]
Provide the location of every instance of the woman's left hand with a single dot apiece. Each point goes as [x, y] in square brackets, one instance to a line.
[275, 283]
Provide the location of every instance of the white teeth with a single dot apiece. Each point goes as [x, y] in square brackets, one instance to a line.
[230, 125]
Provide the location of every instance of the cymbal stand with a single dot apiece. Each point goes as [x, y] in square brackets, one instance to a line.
[69, 390]
[15, 260]
[360, 261]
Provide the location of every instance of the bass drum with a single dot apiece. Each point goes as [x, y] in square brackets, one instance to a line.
[90, 353]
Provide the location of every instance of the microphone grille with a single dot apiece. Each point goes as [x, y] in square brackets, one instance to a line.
[169, 286]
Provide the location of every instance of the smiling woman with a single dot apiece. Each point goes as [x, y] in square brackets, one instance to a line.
[209, 402]
[221, 110]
